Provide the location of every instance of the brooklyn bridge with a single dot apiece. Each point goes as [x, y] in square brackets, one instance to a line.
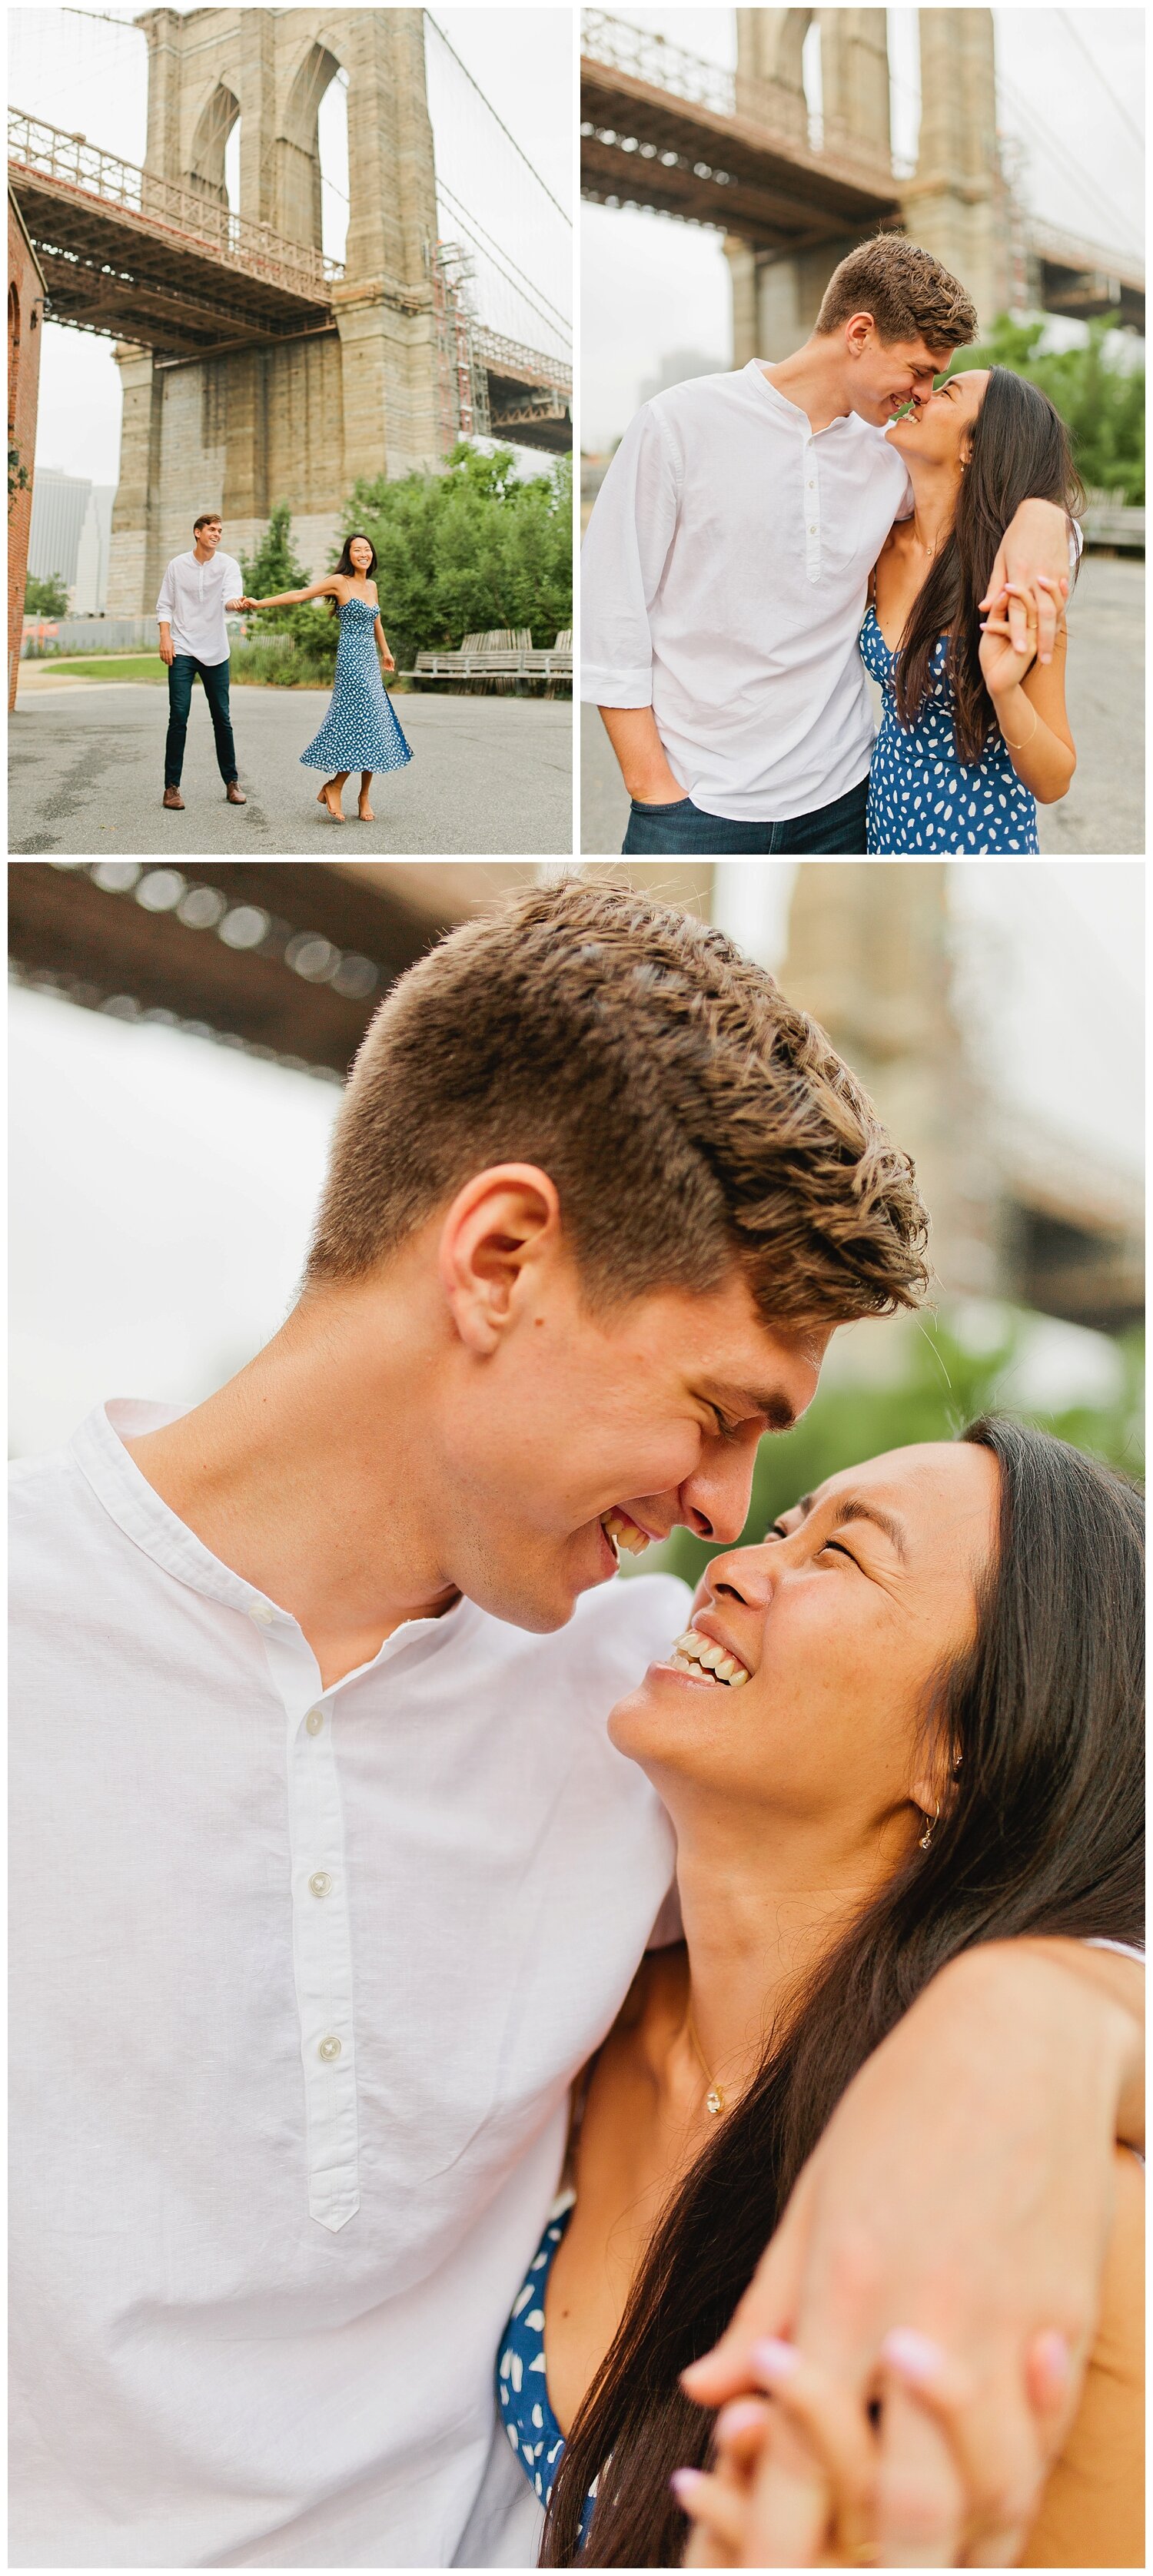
[255, 368]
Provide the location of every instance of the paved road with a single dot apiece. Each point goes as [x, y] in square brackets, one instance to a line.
[489, 776]
[1103, 814]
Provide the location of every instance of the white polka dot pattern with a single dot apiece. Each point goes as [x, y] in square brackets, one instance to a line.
[921, 797]
[360, 730]
[521, 2386]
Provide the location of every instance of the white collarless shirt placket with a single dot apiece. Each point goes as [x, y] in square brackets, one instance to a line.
[321, 1927]
[811, 498]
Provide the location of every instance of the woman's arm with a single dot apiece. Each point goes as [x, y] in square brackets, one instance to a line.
[382, 646]
[327, 589]
[1029, 703]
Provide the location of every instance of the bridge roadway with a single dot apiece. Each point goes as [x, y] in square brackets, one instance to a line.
[143, 259]
[661, 128]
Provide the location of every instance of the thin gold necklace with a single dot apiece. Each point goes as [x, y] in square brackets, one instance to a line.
[715, 2100]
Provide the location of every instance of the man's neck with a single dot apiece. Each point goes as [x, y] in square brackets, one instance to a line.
[283, 1478]
[814, 379]
[205, 554]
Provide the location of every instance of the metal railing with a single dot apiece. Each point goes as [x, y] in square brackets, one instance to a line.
[731, 94]
[495, 351]
[166, 206]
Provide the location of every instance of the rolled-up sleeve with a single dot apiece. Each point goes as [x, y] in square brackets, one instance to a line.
[167, 600]
[622, 560]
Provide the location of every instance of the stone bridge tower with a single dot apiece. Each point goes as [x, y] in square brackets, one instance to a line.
[298, 419]
[954, 202]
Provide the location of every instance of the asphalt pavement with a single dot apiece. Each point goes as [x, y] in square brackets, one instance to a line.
[1103, 814]
[489, 776]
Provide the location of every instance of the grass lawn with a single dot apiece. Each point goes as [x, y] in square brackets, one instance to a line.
[102, 666]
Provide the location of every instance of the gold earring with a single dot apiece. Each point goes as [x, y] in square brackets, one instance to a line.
[927, 1836]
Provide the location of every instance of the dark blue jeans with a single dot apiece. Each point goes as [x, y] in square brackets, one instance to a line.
[675, 830]
[182, 671]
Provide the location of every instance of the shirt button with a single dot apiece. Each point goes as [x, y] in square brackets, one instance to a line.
[314, 1720]
[320, 1882]
[263, 1611]
[328, 2049]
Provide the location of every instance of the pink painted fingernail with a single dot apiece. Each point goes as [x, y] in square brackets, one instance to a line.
[914, 2354]
[774, 2358]
[741, 2417]
[685, 2482]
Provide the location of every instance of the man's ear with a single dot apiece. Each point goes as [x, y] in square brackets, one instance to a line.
[501, 1226]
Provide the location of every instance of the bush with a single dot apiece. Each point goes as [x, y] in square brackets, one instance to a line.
[1102, 403]
[944, 1384]
[48, 598]
[469, 549]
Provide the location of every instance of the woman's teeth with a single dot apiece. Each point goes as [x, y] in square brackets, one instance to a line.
[694, 1653]
[624, 1534]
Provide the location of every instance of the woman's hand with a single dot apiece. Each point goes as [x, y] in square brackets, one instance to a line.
[828, 2445]
[388, 662]
[1003, 662]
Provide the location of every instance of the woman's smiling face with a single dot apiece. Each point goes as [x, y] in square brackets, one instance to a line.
[842, 1618]
[938, 431]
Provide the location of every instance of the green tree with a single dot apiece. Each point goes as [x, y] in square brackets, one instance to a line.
[47, 598]
[1101, 401]
[276, 566]
[472, 548]
[944, 1384]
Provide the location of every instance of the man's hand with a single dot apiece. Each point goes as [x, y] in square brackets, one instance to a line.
[167, 648]
[633, 734]
[1035, 541]
[962, 2193]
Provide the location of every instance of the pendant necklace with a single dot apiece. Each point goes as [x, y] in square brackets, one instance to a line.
[714, 2099]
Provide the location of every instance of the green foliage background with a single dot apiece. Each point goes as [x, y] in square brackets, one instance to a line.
[47, 598]
[457, 552]
[1102, 404]
[944, 1385]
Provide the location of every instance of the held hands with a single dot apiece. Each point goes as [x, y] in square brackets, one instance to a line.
[961, 2193]
[1009, 633]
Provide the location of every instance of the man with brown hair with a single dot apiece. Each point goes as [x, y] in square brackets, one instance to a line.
[726, 565]
[328, 1877]
[193, 637]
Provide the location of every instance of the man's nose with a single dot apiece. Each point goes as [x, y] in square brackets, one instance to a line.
[714, 1503]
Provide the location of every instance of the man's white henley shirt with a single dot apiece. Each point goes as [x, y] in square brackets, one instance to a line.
[725, 572]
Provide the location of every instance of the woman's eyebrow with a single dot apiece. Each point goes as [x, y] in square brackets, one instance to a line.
[852, 1508]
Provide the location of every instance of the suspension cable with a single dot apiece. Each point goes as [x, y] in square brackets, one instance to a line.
[486, 102]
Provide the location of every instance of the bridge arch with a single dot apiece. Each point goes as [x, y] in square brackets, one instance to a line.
[298, 196]
[214, 125]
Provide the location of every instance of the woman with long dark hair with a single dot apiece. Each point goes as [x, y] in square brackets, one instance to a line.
[973, 733]
[360, 730]
[908, 1723]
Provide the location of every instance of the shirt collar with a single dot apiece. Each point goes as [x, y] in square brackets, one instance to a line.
[792, 411]
[128, 1498]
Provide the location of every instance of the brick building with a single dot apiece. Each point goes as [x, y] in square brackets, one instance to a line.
[25, 331]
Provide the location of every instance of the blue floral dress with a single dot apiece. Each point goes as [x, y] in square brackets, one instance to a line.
[521, 2384]
[360, 730]
[921, 797]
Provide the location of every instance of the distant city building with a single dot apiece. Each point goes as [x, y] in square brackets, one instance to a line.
[59, 508]
[90, 588]
[676, 368]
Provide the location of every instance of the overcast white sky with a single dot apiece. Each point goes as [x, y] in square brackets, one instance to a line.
[162, 1187]
[651, 286]
[76, 70]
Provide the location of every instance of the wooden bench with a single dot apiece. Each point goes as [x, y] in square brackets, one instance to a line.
[501, 660]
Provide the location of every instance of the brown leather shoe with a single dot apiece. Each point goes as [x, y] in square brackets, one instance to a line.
[232, 792]
[174, 800]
